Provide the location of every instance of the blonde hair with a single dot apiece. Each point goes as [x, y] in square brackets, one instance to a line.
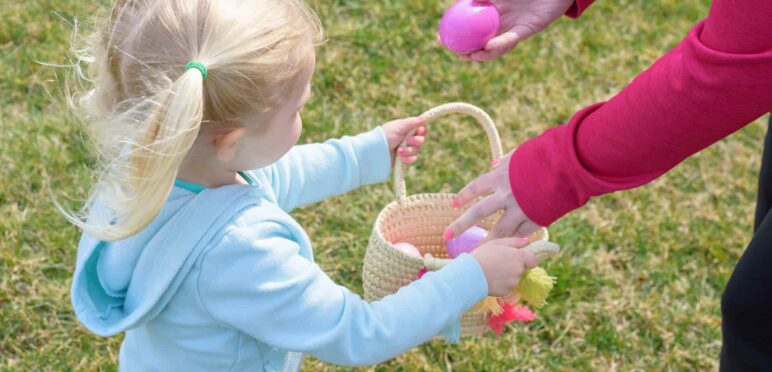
[144, 110]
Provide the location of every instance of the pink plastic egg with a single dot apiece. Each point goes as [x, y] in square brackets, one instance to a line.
[408, 249]
[468, 25]
[466, 242]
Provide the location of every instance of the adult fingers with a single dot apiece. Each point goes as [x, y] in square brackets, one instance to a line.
[507, 40]
[488, 55]
[465, 57]
[482, 185]
[497, 47]
[504, 43]
[472, 216]
[507, 224]
[526, 228]
[518, 33]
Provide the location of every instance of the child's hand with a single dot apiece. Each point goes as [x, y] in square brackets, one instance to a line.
[503, 262]
[397, 130]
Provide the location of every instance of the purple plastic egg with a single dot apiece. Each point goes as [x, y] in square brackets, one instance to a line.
[468, 25]
[466, 242]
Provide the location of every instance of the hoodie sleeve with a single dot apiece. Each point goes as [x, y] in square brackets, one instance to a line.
[256, 281]
[311, 173]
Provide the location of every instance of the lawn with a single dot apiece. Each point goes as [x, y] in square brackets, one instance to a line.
[641, 272]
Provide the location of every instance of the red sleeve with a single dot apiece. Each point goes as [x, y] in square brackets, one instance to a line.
[717, 80]
[578, 8]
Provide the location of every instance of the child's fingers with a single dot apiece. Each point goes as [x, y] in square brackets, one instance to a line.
[529, 260]
[402, 127]
[409, 159]
[513, 242]
[421, 131]
[416, 141]
[408, 124]
[408, 151]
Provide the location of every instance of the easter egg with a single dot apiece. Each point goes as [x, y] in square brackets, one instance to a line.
[408, 249]
[466, 242]
[468, 25]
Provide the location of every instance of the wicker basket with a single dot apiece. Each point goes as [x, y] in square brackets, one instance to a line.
[420, 219]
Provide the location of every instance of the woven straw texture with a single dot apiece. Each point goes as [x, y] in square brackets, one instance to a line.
[421, 220]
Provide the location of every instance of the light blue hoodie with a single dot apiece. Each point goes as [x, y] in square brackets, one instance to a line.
[224, 278]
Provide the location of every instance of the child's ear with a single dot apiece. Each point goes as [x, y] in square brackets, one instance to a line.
[225, 143]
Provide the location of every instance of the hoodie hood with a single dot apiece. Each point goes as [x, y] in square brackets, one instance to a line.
[124, 284]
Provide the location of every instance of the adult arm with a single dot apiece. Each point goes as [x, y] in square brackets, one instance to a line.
[713, 83]
[710, 85]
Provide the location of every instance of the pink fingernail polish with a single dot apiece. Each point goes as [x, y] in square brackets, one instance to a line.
[456, 204]
[447, 235]
[494, 163]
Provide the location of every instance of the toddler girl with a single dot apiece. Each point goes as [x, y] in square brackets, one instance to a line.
[188, 246]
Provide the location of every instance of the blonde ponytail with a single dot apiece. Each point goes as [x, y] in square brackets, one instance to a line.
[146, 108]
[162, 143]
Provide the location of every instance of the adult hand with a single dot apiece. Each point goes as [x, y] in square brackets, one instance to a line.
[520, 19]
[494, 184]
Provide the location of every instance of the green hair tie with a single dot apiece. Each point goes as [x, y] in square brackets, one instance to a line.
[198, 66]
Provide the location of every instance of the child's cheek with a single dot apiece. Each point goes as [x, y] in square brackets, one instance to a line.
[297, 129]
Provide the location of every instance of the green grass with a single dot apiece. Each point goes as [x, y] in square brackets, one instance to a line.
[641, 272]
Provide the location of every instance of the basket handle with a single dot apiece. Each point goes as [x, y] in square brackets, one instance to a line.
[449, 108]
[540, 249]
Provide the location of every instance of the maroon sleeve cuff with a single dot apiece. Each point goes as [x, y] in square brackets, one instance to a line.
[578, 7]
[546, 175]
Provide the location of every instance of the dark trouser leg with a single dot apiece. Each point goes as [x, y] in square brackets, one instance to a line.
[746, 306]
[764, 200]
